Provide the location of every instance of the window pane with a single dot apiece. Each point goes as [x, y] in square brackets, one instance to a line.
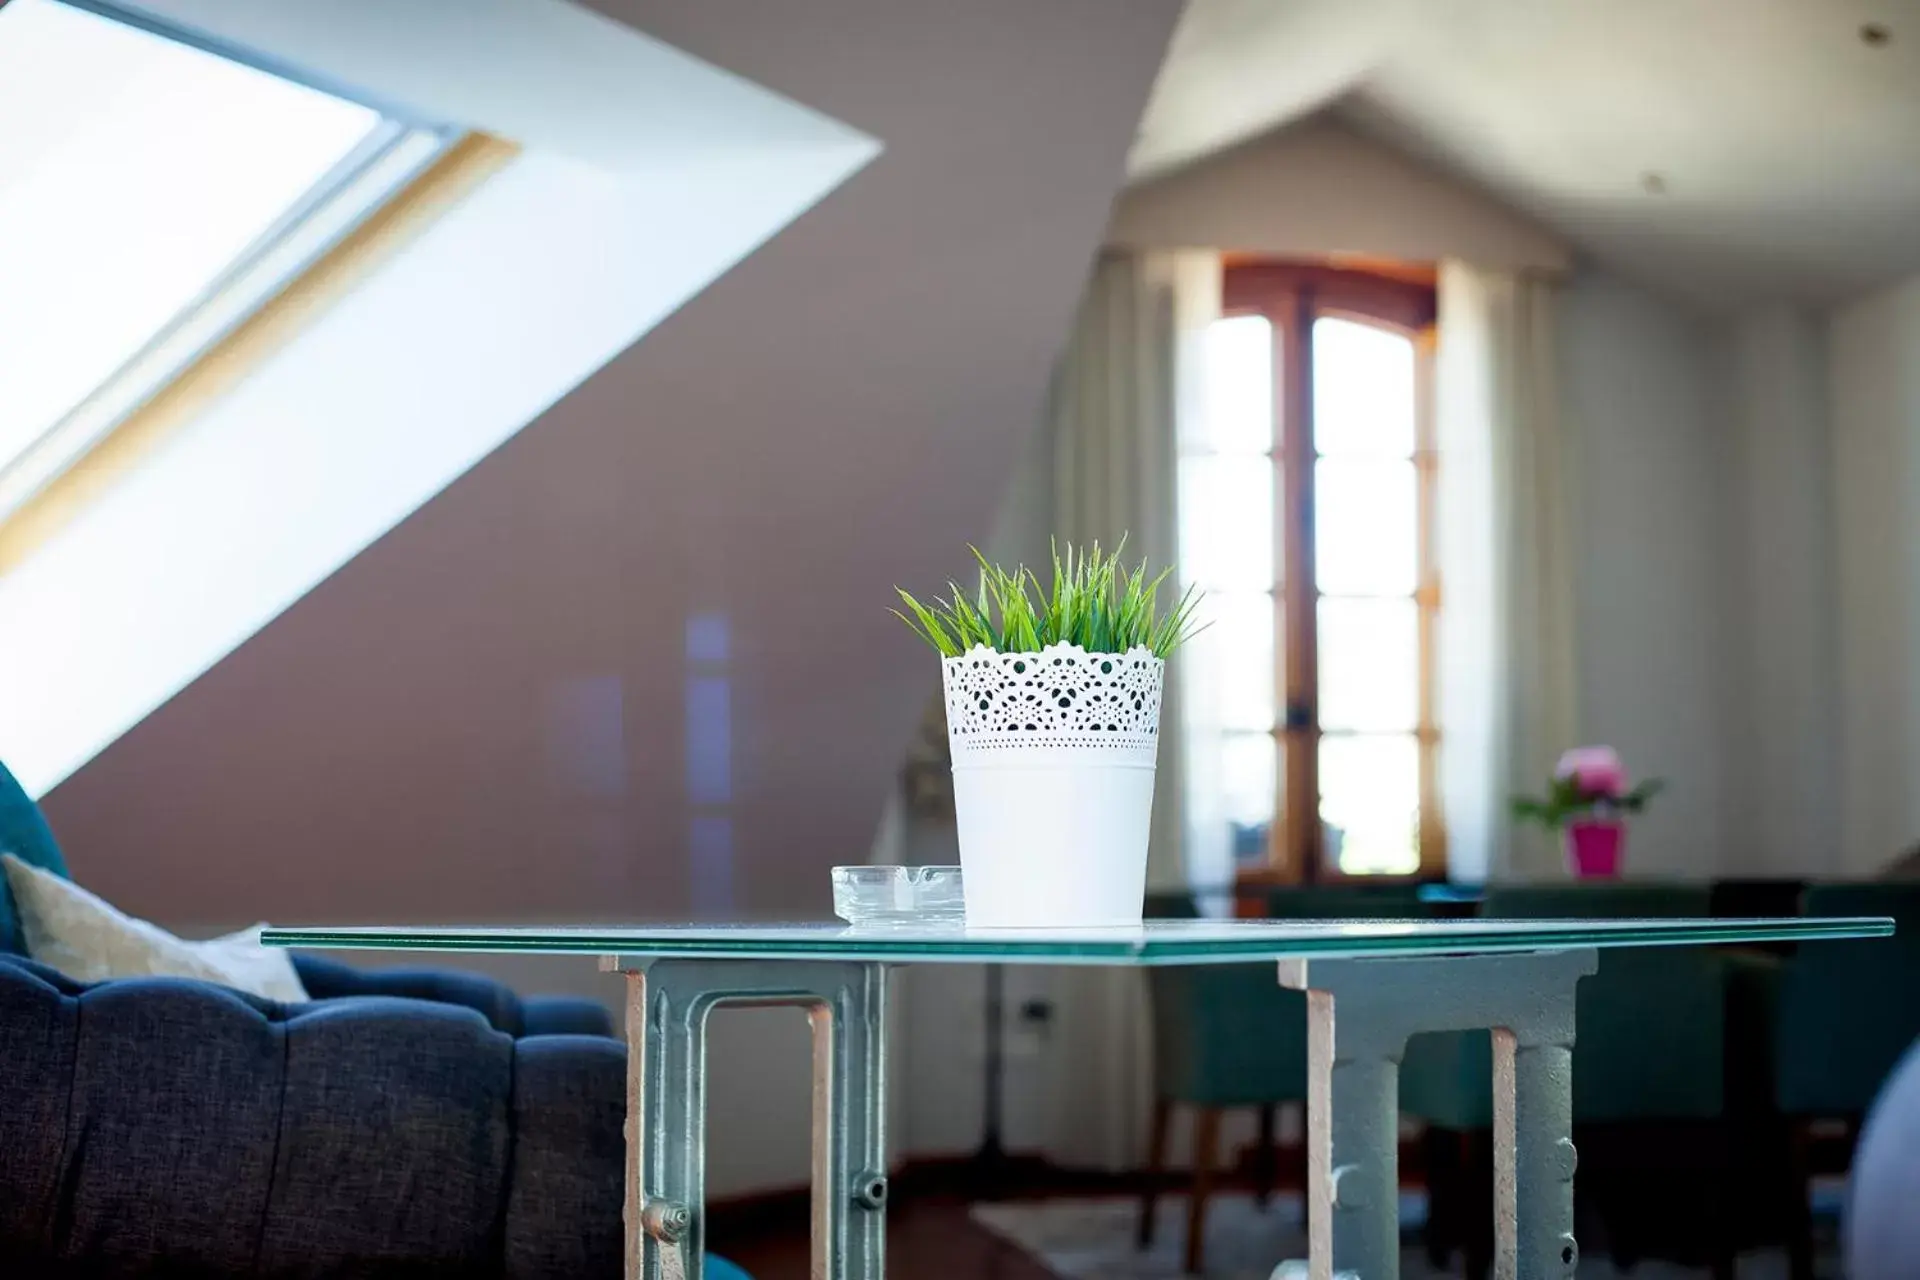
[1370, 803]
[1248, 766]
[134, 172]
[1239, 385]
[1369, 660]
[1231, 664]
[1226, 522]
[1365, 540]
[1362, 389]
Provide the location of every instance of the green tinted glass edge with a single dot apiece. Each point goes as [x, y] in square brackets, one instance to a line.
[1146, 950]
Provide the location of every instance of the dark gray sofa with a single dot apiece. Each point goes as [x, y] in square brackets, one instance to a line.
[158, 1127]
[417, 1124]
[504, 1011]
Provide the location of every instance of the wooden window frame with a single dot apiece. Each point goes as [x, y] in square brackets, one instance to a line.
[1291, 297]
[452, 176]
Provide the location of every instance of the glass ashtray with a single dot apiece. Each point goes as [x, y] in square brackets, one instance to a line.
[898, 895]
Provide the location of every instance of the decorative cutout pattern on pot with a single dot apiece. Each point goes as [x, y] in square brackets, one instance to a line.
[1059, 698]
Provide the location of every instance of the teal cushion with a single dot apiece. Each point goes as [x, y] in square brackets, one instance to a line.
[23, 833]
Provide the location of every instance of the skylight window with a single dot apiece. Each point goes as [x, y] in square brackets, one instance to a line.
[153, 194]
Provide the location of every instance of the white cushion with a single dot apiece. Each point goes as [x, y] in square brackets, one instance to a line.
[86, 939]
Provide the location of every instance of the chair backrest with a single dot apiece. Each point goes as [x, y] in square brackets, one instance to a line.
[1848, 1010]
[1394, 900]
[1170, 906]
[23, 833]
[1599, 900]
[1671, 997]
[1757, 897]
[1223, 1035]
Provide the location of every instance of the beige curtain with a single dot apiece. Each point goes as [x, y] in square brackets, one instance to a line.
[1128, 375]
[1507, 683]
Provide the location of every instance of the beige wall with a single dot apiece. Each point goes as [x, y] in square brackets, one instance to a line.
[1874, 346]
[1641, 404]
[1318, 188]
[1697, 493]
[1783, 715]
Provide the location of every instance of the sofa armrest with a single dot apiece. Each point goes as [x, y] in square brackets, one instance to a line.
[327, 979]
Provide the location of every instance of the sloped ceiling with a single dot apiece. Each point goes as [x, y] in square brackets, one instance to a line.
[1782, 143]
[639, 661]
[111, 606]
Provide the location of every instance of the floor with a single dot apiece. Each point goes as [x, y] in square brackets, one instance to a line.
[928, 1238]
[933, 1237]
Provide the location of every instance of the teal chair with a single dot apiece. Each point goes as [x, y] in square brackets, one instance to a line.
[1648, 1077]
[23, 833]
[1353, 900]
[1224, 1038]
[1848, 1010]
[1845, 1013]
[1231, 1037]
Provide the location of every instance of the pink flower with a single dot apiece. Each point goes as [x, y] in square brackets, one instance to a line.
[1596, 771]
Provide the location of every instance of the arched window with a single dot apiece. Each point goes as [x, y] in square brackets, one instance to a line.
[1306, 506]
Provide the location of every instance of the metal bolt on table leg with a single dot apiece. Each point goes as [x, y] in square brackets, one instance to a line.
[870, 1191]
[666, 1221]
[1349, 1187]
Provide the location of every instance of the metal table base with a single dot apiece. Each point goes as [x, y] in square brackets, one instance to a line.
[1360, 1014]
[668, 1002]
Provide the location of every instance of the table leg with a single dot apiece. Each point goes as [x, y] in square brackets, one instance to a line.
[849, 1130]
[1360, 1014]
[1533, 1124]
[668, 1003]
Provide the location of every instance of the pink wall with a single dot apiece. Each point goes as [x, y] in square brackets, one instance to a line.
[487, 714]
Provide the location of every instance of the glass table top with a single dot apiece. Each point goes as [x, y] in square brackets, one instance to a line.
[1157, 942]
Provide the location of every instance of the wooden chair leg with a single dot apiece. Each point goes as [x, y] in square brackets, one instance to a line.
[1266, 1159]
[1726, 1201]
[1206, 1157]
[1441, 1150]
[1475, 1189]
[1156, 1170]
[1799, 1208]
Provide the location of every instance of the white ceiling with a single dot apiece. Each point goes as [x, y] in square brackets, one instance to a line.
[1789, 149]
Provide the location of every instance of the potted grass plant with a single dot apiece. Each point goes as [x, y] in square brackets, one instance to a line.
[1053, 719]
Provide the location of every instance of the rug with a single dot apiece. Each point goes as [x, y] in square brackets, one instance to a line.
[1093, 1240]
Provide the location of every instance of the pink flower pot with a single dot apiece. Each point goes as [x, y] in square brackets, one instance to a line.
[1594, 847]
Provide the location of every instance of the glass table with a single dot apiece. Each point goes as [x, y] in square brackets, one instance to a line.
[1369, 986]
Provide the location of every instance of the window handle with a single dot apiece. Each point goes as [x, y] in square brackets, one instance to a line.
[1299, 714]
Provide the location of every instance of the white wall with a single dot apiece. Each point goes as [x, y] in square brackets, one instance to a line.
[1875, 407]
[1316, 188]
[1782, 723]
[1641, 406]
[1705, 520]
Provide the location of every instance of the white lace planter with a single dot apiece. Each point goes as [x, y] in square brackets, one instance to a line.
[1053, 756]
